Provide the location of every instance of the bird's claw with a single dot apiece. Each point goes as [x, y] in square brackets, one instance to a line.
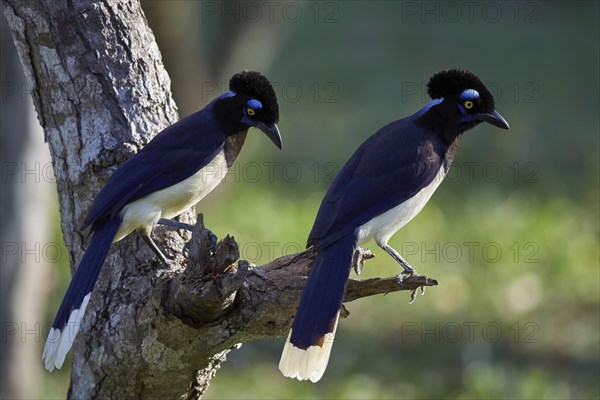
[407, 274]
[212, 244]
[413, 294]
[401, 277]
[360, 256]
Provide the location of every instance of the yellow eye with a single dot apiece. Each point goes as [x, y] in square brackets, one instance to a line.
[468, 104]
[250, 111]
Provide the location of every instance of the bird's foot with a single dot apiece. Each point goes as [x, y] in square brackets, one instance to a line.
[405, 275]
[213, 240]
[360, 256]
[402, 276]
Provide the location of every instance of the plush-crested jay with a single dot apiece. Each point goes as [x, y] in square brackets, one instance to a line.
[174, 171]
[385, 184]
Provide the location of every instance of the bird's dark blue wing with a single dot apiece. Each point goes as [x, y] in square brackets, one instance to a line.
[387, 169]
[172, 156]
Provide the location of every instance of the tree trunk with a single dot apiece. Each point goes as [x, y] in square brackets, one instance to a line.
[101, 93]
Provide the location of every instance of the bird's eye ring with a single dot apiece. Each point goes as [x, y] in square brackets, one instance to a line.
[468, 104]
[250, 111]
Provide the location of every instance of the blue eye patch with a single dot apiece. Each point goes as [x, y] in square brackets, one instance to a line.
[469, 94]
[254, 104]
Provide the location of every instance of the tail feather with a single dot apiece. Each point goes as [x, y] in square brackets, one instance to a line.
[307, 349]
[68, 319]
[307, 363]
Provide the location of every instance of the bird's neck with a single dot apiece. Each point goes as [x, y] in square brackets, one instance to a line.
[450, 137]
[448, 132]
[233, 145]
[451, 151]
[225, 112]
[446, 129]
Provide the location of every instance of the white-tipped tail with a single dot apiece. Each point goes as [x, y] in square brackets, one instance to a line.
[307, 363]
[60, 341]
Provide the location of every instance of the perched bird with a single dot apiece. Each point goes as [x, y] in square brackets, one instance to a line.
[174, 171]
[384, 185]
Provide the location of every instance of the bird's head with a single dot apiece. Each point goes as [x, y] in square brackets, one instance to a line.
[462, 100]
[250, 102]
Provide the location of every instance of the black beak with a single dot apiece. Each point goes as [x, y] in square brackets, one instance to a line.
[272, 132]
[495, 119]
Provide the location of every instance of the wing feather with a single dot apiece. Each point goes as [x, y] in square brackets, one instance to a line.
[387, 169]
[172, 156]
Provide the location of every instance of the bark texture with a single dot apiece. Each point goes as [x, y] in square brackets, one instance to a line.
[101, 93]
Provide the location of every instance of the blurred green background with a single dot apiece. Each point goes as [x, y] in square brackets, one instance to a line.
[512, 235]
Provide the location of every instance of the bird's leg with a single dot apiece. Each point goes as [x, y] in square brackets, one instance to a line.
[154, 247]
[408, 270]
[359, 258]
[175, 224]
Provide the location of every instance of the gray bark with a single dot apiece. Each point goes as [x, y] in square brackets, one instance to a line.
[101, 93]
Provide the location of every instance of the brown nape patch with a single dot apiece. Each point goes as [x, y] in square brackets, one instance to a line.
[233, 145]
[452, 149]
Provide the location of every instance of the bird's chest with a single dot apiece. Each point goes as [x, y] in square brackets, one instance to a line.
[383, 226]
[185, 194]
[173, 200]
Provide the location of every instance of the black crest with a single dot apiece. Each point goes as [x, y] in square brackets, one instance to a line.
[455, 81]
[255, 85]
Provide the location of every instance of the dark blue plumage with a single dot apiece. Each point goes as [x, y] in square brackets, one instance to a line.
[67, 321]
[170, 157]
[174, 171]
[387, 169]
[324, 291]
[89, 268]
[386, 183]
